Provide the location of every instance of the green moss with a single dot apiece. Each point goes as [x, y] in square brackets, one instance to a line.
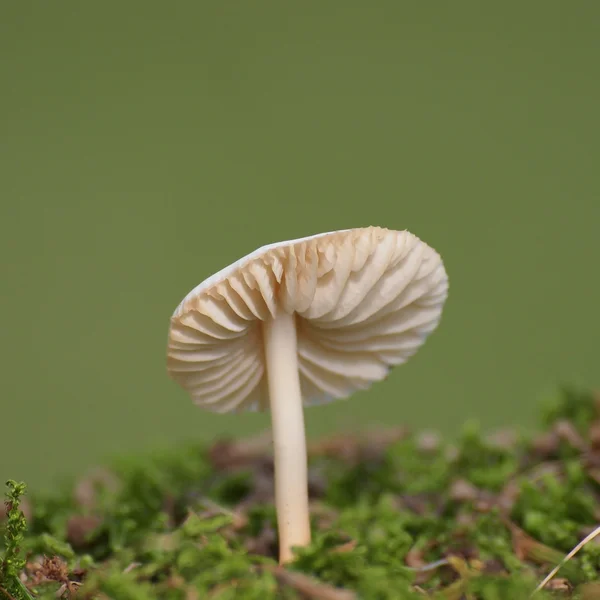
[13, 563]
[479, 518]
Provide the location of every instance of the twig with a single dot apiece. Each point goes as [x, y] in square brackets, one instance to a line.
[308, 586]
[430, 566]
[7, 594]
[568, 557]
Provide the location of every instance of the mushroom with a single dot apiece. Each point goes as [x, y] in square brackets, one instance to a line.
[303, 322]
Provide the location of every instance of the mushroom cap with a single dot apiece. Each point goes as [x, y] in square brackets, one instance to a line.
[365, 300]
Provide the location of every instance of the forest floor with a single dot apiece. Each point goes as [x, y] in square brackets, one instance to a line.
[395, 515]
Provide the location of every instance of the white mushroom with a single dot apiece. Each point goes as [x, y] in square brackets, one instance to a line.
[303, 322]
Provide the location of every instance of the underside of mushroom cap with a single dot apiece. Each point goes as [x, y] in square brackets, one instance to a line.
[365, 300]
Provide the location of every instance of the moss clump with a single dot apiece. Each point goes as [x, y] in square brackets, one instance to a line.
[395, 515]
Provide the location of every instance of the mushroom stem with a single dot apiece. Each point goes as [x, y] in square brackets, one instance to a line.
[289, 438]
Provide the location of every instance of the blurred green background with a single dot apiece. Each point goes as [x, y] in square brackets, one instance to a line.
[145, 145]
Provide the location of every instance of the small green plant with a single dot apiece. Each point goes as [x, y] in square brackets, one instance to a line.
[13, 563]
